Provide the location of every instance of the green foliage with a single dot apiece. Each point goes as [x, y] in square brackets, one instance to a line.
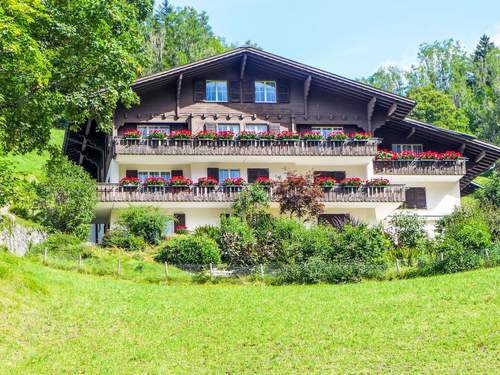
[408, 236]
[189, 249]
[123, 239]
[490, 193]
[238, 242]
[210, 231]
[65, 199]
[8, 182]
[391, 78]
[251, 203]
[61, 245]
[145, 222]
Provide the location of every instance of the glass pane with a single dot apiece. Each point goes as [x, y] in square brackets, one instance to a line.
[216, 91]
[259, 91]
[235, 128]
[270, 91]
[222, 91]
[223, 174]
[165, 175]
[235, 173]
[143, 130]
[142, 175]
[169, 228]
[211, 91]
[154, 174]
[258, 128]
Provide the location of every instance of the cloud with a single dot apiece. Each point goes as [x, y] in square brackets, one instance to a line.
[495, 35]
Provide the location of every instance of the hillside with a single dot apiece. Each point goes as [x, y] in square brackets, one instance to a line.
[62, 322]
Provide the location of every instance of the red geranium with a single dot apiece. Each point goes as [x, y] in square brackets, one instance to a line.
[316, 136]
[225, 135]
[207, 134]
[264, 181]
[352, 181]
[246, 135]
[181, 229]
[155, 181]
[130, 181]
[157, 134]
[133, 134]
[207, 181]
[386, 155]
[360, 136]
[288, 136]
[181, 134]
[407, 155]
[237, 181]
[429, 155]
[378, 182]
[267, 135]
[180, 181]
[451, 155]
[325, 181]
[337, 136]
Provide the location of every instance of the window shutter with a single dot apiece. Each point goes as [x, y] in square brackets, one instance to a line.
[213, 172]
[416, 198]
[338, 175]
[180, 220]
[283, 91]
[234, 92]
[199, 91]
[210, 126]
[254, 173]
[274, 127]
[131, 173]
[248, 91]
[177, 173]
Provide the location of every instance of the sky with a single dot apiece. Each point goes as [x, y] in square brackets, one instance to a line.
[351, 38]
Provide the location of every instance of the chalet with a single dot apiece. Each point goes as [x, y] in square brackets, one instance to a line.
[245, 116]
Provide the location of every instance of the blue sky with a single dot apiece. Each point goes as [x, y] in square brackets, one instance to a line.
[351, 38]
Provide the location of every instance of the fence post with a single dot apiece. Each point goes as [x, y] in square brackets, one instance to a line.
[441, 257]
[166, 271]
[398, 268]
[487, 254]
[80, 262]
[45, 256]
[211, 269]
[262, 272]
[119, 266]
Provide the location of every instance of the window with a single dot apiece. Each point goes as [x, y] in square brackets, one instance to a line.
[338, 175]
[235, 128]
[216, 91]
[326, 130]
[228, 173]
[254, 173]
[257, 128]
[146, 129]
[265, 91]
[415, 198]
[408, 147]
[145, 174]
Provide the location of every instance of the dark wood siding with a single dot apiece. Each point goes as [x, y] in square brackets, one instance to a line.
[248, 91]
[283, 91]
[131, 173]
[234, 91]
[179, 220]
[338, 175]
[177, 172]
[199, 90]
[416, 198]
[213, 172]
[255, 173]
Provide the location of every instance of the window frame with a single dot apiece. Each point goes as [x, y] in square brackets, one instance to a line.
[266, 101]
[230, 173]
[416, 205]
[150, 127]
[257, 131]
[321, 129]
[233, 124]
[412, 147]
[149, 174]
[216, 100]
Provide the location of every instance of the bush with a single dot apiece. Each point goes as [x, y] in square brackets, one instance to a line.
[277, 240]
[146, 222]
[210, 231]
[189, 249]
[309, 242]
[123, 239]
[61, 244]
[408, 236]
[238, 242]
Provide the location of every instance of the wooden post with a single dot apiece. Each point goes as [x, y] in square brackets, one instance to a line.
[166, 271]
[262, 272]
[80, 262]
[441, 257]
[398, 268]
[119, 267]
[211, 269]
[45, 256]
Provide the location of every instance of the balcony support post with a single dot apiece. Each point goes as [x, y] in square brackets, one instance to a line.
[178, 96]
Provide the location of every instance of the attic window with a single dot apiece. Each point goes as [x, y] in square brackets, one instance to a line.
[216, 91]
[265, 91]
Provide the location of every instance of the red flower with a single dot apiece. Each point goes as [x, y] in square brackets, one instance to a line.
[133, 134]
[429, 155]
[337, 136]
[407, 155]
[265, 181]
[386, 155]
[225, 135]
[206, 134]
[155, 181]
[352, 181]
[180, 181]
[246, 135]
[238, 181]
[378, 182]
[287, 136]
[207, 181]
[181, 134]
[157, 134]
[181, 229]
[267, 135]
[325, 181]
[360, 136]
[130, 181]
[451, 155]
[311, 135]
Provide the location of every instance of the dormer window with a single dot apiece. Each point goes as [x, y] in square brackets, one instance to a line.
[216, 91]
[265, 91]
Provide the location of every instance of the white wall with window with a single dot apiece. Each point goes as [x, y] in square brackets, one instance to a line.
[265, 91]
[216, 91]
[415, 147]
[256, 128]
[145, 174]
[146, 129]
[326, 130]
[235, 128]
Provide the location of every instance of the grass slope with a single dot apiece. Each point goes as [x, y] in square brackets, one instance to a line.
[55, 321]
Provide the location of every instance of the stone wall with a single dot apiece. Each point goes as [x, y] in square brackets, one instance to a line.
[18, 238]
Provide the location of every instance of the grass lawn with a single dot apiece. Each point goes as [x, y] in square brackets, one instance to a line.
[54, 321]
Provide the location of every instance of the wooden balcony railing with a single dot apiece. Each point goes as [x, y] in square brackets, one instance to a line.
[117, 193]
[245, 147]
[416, 167]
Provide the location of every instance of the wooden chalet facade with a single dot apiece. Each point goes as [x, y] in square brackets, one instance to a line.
[249, 90]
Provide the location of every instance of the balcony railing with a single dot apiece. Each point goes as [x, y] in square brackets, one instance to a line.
[245, 147]
[416, 167]
[118, 193]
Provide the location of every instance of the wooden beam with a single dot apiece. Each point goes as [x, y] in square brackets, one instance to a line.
[392, 109]
[178, 96]
[480, 157]
[307, 88]
[369, 111]
[411, 133]
[243, 66]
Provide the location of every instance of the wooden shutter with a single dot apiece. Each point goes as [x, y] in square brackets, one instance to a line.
[274, 127]
[180, 220]
[210, 126]
[416, 198]
[338, 175]
[199, 91]
[234, 92]
[131, 173]
[283, 91]
[213, 172]
[177, 173]
[255, 173]
[248, 91]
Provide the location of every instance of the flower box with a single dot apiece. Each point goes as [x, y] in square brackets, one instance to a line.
[352, 183]
[132, 135]
[207, 182]
[180, 182]
[288, 136]
[386, 155]
[248, 136]
[206, 135]
[155, 182]
[157, 135]
[264, 182]
[312, 136]
[267, 136]
[130, 182]
[337, 136]
[226, 135]
[360, 136]
[407, 155]
[179, 135]
[326, 183]
[234, 182]
[181, 229]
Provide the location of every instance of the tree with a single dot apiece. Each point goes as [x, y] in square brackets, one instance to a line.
[148, 223]
[251, 203]
[435, 107]
[391, 78]
[66, 198]
[8, 183]
[408, 235]
[484, 46]
[66, 61]
[298, 196]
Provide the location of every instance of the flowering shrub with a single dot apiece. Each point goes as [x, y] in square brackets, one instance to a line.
[407, 155]
[360, 136]
[267, 135]
[287, 136]
[206, 134]
[352, 181]
[225, 135]
[130, 181]
[207, 181]
[315, 136]
[378, 182]
[155, 181]
[386, 155]
[264, 181]
[237, 181]
[157, 134]
[451, 155]
[337, 136]
[133, 134]
[325, 181]
[247, 135]
[181, 229]
[429, 155]
[181, 134]
[296, 181]
[180, 181]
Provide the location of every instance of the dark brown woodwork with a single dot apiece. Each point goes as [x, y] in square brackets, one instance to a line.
[131, 173]
[254, 173]
[235, 91]
[213, 173]
[178, 96]
[243, 66]
[199, 91]
[480, 157]
[415, 197]
[307, 88]
[369, 109]
[392, 109]
[177, 173]
[411, 133]
[248, 91]
[283, 91]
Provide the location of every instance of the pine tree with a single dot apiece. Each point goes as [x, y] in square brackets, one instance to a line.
[484, 46]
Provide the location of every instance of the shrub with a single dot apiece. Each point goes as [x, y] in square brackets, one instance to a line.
[189, 249]
[123, 239]
[490, 194]
[8, 183]
[145, 222]
[62, 245]
[238, 243]
[408, 236]
[309, 242]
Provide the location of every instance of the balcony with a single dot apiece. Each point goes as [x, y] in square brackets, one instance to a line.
[118, 193]
[420, 167]
[245, 147]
